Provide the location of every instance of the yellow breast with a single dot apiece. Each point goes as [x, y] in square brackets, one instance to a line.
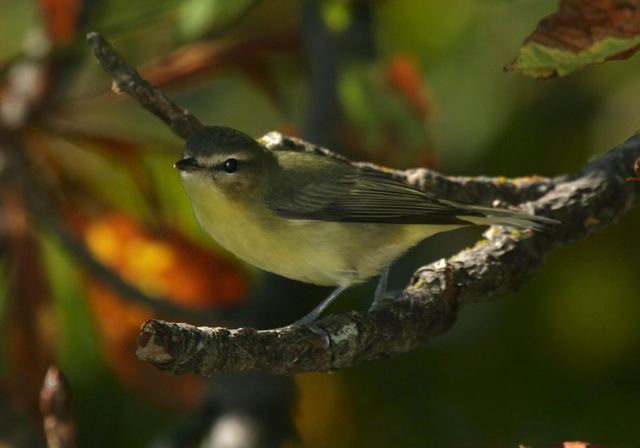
[324, 253]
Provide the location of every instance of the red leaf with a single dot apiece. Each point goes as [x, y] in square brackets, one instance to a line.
[579, 24]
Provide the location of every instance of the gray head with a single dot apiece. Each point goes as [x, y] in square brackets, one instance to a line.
[232, 160]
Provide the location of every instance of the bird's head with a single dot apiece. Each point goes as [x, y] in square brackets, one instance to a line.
[225, 159]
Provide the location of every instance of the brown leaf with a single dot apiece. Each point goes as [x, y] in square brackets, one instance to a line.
[205, 58]
[579, 24]
[580, 33]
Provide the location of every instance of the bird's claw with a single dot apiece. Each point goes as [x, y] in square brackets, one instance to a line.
[320, 332]
[315, 328]
[380, 298]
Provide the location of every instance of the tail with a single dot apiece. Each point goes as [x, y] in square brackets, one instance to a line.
[500, 216]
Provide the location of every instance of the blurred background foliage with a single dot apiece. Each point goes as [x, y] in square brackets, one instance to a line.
[403, 83]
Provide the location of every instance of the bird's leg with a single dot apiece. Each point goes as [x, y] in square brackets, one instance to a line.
[310, 317]
[381, 288]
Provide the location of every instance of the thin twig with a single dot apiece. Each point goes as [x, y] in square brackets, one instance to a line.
[127, 79]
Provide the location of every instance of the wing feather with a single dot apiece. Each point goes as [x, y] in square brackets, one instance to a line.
[365, 196]
[315, 184]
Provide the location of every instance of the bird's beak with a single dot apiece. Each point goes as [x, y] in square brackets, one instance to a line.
[187, 164]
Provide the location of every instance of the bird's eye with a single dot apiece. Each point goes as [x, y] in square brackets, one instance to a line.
[230, 165]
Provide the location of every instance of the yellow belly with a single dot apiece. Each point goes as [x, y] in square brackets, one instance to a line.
[319, 252]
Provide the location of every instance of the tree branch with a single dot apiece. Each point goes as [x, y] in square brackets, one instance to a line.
[127, 79]
[503, 261]
[427, 307]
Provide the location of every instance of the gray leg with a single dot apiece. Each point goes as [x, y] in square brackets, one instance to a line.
[317, 311]
[381, 289]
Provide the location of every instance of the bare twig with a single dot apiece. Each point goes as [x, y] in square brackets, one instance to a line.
[594, 198]
[55, 405]
[127, 79]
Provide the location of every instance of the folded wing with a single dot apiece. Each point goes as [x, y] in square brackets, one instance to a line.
[366, 196]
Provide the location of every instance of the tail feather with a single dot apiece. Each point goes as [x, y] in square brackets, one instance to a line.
[510, 218]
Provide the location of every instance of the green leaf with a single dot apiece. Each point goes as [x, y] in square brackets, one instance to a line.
[542, 62]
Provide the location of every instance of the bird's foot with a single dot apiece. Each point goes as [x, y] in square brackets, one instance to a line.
[309, 319]
[381, 293]
[306, 322]
[378, 299]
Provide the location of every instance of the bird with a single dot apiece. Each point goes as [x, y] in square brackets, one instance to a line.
[309, 214]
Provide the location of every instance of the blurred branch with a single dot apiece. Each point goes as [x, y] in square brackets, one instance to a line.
[44, 207]
[323, 110]
[586, 202]
[24, 94]
[55, 405]
[326, 51]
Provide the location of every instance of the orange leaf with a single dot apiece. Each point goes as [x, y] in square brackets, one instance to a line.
[161, 262]
[61, 17]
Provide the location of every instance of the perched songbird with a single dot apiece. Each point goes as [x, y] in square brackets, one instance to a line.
[306, 213]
